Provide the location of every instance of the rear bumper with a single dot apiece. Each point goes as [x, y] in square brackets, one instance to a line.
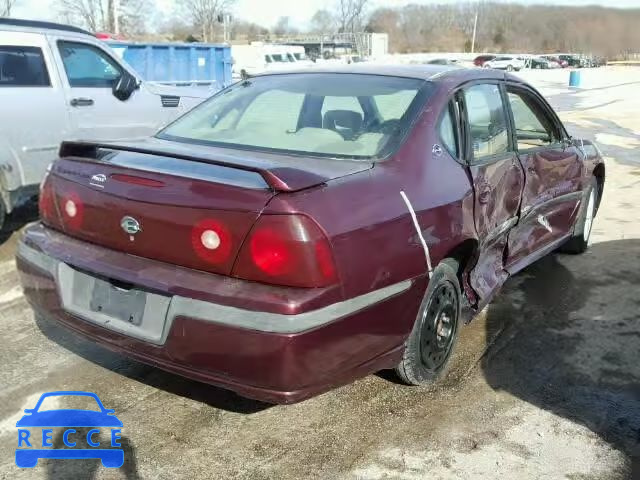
[272, 357]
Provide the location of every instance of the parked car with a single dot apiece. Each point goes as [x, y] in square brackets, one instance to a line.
[572, 60]
[539, 63]
[222, 248]
[555, 62]
[505, 62]
[443, 61]
[480, 60]
[59, 82]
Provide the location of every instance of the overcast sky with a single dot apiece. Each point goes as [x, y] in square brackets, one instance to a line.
[267, 12]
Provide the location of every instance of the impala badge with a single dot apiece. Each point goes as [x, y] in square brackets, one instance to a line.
[98, 180]
[130, 225]
[436, 150]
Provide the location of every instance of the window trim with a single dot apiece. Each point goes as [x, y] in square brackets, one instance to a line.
[116, 64]
[561, 132]
[37, 50]
[455, 119]
[496, 157]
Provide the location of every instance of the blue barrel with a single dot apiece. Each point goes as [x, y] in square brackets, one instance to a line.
[574, 78]
[194, 64]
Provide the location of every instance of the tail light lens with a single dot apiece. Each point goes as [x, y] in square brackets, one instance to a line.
[211, 241]
[71, 209]
[286, 250]
[46, 206]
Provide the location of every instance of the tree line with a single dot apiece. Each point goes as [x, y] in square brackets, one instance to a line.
[501, 27]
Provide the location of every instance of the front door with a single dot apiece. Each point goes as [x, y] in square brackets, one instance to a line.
[498, 180]
[90, 73]
[553, 176]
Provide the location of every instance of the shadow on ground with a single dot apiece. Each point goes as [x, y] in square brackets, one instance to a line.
[175, 384]
[18, 219]
[89, 468]
[571, 341]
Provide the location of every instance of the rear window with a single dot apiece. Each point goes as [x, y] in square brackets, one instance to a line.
[22, 67]
[323, 114]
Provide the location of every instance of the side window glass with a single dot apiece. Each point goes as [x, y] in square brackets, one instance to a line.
[532, 126]
[447, 132]
[22, 67]
[487, 121]
[88, 66]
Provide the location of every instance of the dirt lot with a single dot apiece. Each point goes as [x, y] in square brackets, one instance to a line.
[546, 384]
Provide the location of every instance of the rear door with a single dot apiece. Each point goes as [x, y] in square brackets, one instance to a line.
[34, 114]
[497, 177]
[553, 176]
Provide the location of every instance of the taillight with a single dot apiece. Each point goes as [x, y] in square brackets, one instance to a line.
[46, 204]
[286, 250]
[211, 241]
[71, 209]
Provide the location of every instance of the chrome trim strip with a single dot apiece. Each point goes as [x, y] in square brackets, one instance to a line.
[39, 259]
[233, 316]
[276, 322]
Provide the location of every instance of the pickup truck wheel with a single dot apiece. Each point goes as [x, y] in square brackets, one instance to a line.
[579, 242]
[509, 68]
[3, 215]
[435, 332]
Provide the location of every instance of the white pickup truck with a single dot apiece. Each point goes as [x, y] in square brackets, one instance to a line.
[59, 82]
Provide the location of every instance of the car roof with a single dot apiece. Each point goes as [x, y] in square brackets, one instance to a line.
[31, 25]
[418, 71]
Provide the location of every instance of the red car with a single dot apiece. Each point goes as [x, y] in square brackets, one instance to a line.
[301, 230]
[480, 60]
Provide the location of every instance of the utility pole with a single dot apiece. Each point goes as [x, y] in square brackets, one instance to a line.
[116, 17]
[473, 39]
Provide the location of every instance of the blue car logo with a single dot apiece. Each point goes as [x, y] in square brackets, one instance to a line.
[28, 453]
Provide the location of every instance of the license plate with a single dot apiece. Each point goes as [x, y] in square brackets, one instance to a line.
[121, 303]
[131, 311]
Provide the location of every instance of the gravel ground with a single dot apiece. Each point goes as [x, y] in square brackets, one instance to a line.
[545, 384]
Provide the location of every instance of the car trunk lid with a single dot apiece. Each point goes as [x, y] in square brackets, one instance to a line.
[164, 204]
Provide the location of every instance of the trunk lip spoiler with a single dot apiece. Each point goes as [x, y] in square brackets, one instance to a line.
[275, 177]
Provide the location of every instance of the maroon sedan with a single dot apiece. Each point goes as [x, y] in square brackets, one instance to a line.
[301, 230]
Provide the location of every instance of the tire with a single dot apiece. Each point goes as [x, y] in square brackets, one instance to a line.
[486, 66]
[434, 335]
[579, 241]
[3, 216]
[509, 68]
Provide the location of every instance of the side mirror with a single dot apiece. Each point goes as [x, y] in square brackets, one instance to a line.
[124, 86]
[29, 411]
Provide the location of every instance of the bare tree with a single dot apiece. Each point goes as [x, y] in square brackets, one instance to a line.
[204, 14]
[350, 14]
[100, 15]
[283, 27]
[6, 6]
[323, 22]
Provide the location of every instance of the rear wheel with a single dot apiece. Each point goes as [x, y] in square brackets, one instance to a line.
[3, 215]
[579, 241]
[433, 337]
[509, 68]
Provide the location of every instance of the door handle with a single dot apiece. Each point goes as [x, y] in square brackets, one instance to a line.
[81, 102]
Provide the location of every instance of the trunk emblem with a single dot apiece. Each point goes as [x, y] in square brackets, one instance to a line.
[130, 225]
[98, 180]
